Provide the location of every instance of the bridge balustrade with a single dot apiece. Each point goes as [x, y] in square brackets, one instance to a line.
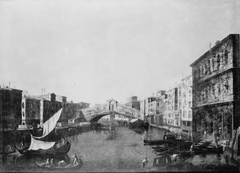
[102, 110]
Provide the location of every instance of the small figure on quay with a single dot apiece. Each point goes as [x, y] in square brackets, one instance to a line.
[144, 162]
[205, 134]
[192, 148]
[219, 133]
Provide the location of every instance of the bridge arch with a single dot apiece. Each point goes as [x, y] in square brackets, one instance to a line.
[97, 118]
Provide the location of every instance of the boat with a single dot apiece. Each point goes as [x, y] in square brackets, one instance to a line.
[60, 164]
[134, 123]
[36, 145]
[8, 149]
[145, 125]
[139, 130]
[168, 161]
[167, 139]
[6, 146]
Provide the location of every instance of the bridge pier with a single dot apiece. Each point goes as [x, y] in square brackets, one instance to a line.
[112, 118]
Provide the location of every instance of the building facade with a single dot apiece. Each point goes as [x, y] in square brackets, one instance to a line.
[142, 109]
[160, 107]
[171, 107]
[35, 110]
[150, 108]
[10, 102]
[133, 102]
[185, 103]
[216, 88]
[172, 116]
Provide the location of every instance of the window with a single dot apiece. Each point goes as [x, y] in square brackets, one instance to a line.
[218, 62]
[209, 66]
[213, 63]
[189, 114]
[226, 57]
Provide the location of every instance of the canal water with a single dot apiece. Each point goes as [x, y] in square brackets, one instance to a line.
[119, 150]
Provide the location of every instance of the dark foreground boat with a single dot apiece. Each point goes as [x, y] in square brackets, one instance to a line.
[166, 161]
[57, 148]
[8, 149]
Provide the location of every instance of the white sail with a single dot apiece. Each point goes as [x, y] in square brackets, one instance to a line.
[36, 144]
[50, 124]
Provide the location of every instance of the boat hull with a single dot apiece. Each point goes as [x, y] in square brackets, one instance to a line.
[159, 163]
[161, 142]
[51, 151]
[56, 167]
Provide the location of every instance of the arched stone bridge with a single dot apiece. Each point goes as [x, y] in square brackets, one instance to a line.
[112, 108]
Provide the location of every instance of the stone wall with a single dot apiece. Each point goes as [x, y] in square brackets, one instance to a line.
[236, 145]
[216, 117]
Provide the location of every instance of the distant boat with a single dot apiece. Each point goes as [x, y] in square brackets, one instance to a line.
[136, 123]
[167, 139]
[38, 146]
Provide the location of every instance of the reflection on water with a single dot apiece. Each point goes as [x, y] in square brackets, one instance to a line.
[119, 150]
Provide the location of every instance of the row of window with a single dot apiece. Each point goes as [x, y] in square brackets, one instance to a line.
[213, 64]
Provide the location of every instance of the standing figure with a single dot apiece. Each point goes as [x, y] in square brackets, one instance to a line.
[76, 160]
[144, 162]
[47, 164]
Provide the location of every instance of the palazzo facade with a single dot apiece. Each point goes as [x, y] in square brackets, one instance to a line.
[216, 88]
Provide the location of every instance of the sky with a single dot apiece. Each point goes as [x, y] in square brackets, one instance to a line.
[95, 50]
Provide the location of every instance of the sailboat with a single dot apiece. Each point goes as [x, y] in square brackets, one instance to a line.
[38, 146]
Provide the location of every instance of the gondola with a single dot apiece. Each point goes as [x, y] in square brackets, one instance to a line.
[163, 162]
[62, 166]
